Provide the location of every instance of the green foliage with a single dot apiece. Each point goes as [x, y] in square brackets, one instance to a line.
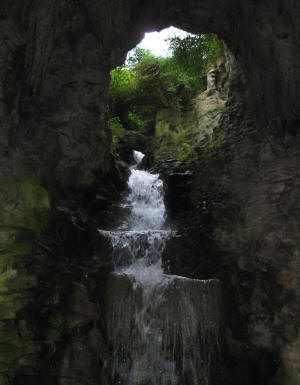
[147, 84]
[115, 123]
[135, 117]
[137, 55]
[187, 152]
[116, 126]
[122, 83]
[195, 53]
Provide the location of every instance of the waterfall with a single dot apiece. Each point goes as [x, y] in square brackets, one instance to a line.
[163, 329]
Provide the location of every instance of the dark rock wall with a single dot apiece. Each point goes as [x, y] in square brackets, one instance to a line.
[237, 211]
[63, 101]
[59, 53]
[55, 57]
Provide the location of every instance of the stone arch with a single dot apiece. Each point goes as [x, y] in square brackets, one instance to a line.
[61, 54]
[54, 76]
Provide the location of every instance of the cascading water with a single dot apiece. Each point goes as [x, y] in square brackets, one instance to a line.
[163, 329]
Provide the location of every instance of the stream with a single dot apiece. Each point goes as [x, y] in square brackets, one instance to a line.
[163, 329]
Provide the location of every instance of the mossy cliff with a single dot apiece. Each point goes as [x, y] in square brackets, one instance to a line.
[25, 207]
[58, 179]
[236, 207]
[182, 134]
[48, 258]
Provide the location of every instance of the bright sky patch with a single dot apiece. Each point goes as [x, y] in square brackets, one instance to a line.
[155, 41]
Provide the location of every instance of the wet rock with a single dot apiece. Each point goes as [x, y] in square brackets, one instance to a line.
[184, 318]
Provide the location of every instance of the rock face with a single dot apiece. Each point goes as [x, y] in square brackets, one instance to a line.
[55, 58]
[54, 83]
[236, 209]
[233, 207]
[179, 134]
[244, 233]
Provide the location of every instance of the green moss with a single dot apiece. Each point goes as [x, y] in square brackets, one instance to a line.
[186, 135]
[25, 206]
[13, 250]
[9, 306]
[25, 202]
[12, 283]
[59, 326]
[15, 350]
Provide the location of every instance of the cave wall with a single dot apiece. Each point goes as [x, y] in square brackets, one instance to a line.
[55, 58]
[237, 213]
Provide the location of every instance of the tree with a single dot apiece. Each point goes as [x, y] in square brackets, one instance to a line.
[147, 83]
[193, 55]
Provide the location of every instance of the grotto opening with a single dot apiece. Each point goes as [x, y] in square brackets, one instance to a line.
[236, 207]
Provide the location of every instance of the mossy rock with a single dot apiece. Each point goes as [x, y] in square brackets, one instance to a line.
[25, 203]
[25, 206]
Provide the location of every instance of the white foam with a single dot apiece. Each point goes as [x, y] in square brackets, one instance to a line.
[138, 156]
